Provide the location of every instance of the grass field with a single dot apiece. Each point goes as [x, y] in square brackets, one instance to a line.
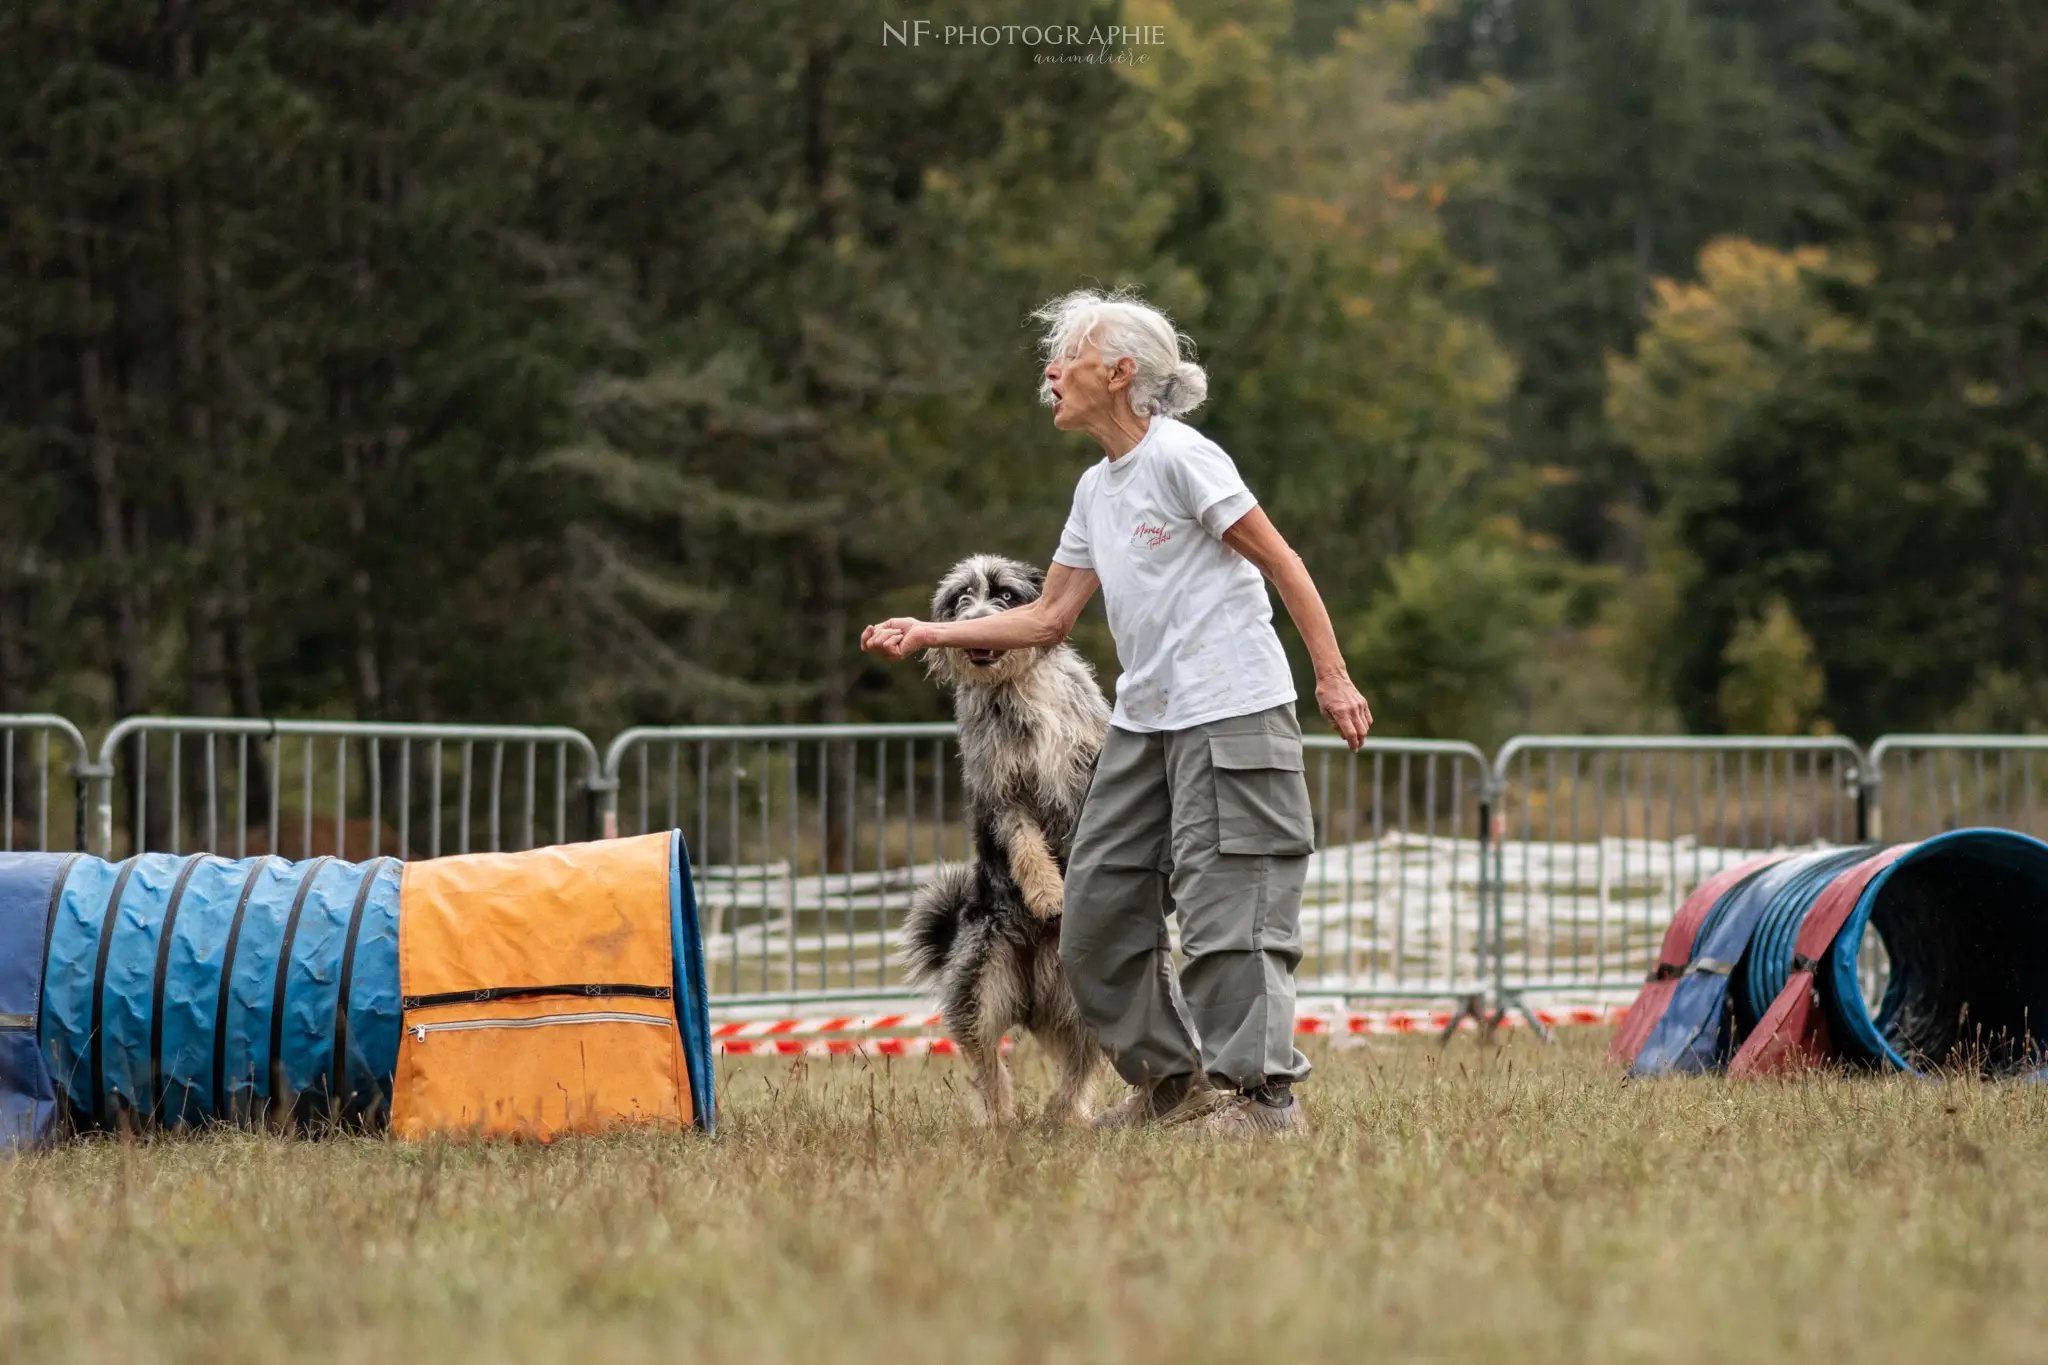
[1525, 1204]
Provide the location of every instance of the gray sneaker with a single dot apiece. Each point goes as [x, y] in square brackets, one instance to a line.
[1268, 1110]
[1171, 1099]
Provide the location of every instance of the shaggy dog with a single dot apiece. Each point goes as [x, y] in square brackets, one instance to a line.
[985, 935]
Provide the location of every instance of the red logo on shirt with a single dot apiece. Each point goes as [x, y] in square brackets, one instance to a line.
[1151, 537]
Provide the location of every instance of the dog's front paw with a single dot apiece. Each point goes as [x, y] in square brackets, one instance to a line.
[1044, 900]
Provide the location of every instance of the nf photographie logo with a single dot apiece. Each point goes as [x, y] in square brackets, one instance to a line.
[1111, 45]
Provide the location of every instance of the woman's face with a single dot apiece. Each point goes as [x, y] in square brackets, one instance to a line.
[1083, 387]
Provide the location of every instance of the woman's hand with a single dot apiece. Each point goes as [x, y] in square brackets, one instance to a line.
[899, 637]
[1344, 707]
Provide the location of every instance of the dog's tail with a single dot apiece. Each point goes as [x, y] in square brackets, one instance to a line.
[934, 922]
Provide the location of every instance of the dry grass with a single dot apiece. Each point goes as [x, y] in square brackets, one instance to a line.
[1451, 1207]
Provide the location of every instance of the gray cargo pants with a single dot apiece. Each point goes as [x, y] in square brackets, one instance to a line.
[1210, 823]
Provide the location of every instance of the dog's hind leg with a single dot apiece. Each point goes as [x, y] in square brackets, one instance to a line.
[995, 1007]
[982, 1045]
[1071, 1044]
[991, 1078]
[1079, 1058]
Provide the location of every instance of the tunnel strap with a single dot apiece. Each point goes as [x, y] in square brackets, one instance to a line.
[1712, 966]
[227, 976]
[156, 988]
[337, 1099]
[284, 972]
[98, 1037]
[50, 928]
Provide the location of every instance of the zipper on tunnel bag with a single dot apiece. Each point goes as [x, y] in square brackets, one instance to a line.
[420, 1031]
[486, 994]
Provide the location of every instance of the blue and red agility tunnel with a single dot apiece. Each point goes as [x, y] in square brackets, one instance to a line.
[181, 991]
[1697, 1030]
[1769, 976]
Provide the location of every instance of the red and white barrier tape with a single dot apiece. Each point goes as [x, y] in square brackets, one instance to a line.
[798, 1028]
[846, 1037]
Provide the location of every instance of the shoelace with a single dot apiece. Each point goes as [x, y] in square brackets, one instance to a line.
[1273, 1095]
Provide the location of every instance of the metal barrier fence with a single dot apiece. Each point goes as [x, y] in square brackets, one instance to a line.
[1552, 870]
[241, 787]
[1601, 839]
[808, 842]
[1927, 784]
[30, 804]
[1395, 903]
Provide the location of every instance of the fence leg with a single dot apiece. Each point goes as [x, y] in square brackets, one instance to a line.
[1529, 1016]
[1504, 997]
[89, 776]
[1470, 1006]
[1498, 886]
[1473, 1004]
[601, 818]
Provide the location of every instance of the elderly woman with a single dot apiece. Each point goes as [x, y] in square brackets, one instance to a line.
[1198, 806]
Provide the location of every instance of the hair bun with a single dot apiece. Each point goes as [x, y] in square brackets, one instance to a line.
[1183, 390]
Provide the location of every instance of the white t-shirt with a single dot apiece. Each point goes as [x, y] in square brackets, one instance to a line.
[1192, 622]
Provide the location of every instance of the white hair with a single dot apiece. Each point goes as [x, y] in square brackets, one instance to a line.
[1167, 381]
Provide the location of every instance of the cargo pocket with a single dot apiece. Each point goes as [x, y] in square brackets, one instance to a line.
[1261, 795]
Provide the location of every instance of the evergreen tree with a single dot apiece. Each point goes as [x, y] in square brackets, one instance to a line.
[1714, 354]
[1896, 495]
[1638, 132]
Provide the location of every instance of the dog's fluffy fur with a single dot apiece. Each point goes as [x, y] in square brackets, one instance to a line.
[985, 935]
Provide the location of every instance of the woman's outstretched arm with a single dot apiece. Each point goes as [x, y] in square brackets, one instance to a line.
[1035, 625]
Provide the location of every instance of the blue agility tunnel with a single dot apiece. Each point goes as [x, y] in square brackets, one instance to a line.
[190, 990]
[1774, 980]
[181, 991]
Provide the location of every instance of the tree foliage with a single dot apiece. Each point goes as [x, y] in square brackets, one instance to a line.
[613, 361]
[1885, 475]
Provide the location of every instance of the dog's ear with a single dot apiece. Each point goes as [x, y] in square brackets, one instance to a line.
[1037, 577]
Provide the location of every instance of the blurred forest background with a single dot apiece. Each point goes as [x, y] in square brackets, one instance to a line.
[1615, 364]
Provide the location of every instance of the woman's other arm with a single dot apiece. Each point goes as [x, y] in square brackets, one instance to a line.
[1254, 536]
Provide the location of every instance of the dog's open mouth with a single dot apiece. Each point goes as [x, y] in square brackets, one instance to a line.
[982, 658]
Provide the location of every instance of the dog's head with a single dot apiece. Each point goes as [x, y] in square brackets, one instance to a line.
[975, 587]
